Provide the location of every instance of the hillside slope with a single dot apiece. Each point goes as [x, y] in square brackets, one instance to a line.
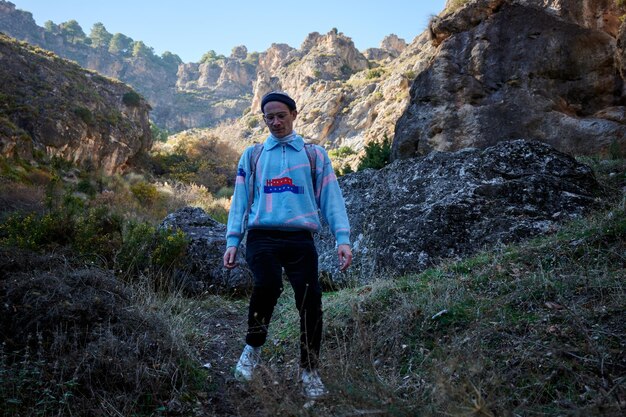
[54, 107]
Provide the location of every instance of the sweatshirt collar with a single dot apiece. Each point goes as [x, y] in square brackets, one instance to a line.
[293, 139]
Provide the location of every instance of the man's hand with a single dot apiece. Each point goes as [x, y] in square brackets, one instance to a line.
[345, 256]
[229, 257]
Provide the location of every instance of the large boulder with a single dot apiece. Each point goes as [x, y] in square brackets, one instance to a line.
[203, 269]
[415, 212]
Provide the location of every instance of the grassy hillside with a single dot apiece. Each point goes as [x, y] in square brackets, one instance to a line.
[535, 329]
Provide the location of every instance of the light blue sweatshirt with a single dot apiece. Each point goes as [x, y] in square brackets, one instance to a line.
[284, 196]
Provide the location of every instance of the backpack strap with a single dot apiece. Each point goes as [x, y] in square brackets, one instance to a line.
[312, 155]
[254, 159]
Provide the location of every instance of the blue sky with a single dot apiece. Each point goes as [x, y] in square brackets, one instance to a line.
[189, 28]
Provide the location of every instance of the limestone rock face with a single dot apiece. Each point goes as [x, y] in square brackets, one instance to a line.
[203, 269]
[53, 106]
[390, 48]
[506, 70]
[341, 101]
[601, 15]
[415, 212]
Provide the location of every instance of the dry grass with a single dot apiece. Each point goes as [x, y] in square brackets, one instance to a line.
[77, 342]
[532, 330]
[535, 329]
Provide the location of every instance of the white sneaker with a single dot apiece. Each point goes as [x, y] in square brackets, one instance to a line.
[312, 384]
[248, 360]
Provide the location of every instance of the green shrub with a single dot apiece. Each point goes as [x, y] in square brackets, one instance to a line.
[28, 231]
[341, 152]
[134, 253]
[377, 155]
[98, 234]
[170, 248]
[146, 193]
[131, 99]
[158, 134]
[144, 248]
[252, 122]
[84, 114]
[374, 73]
[225, 192]
[87, 187]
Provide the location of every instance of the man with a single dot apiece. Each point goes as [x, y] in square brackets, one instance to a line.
[291, 183]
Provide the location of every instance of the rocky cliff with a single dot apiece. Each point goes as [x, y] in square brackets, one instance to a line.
[181, 96]
[51, 105]
[507, 69]
[484, 71]
[346, 97]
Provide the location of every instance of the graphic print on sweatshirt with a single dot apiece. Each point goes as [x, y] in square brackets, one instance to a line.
[281, 185]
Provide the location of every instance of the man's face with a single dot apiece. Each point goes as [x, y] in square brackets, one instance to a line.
[279, 118]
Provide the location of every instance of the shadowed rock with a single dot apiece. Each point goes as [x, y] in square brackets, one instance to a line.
[415, 212]
[505, 71]
[203, 269]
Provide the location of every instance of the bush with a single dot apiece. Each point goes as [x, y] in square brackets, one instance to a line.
[84, 114]
[146, 193]
[377, 155]
[374, 73]
[225, 192]
[85, 186]
[146, 248]
[131, 99]
[252, 122]
[29, 231]
[98, 234]
[158, 134]
[341, 152]
[202, 160]
[81, 345]
[170, 248]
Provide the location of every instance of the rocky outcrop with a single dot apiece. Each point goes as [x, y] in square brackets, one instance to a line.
[489, 70]
[53, 106]
[344, 99]
[150, 75]
[181, 96]
[507, 69]
[203, 270]
[390, 48]
[601, 15]
[416, 212]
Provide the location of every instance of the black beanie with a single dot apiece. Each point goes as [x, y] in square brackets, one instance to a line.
[278, 96]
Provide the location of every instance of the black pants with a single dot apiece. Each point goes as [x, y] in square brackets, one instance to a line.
[267, 253]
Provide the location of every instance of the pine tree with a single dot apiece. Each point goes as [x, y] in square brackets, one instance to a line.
[377, 155]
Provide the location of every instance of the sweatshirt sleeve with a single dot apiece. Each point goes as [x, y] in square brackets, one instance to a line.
[235, 227]
[330, 198]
